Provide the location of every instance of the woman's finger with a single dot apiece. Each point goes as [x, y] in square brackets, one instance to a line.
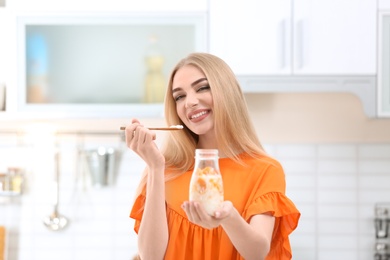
[131, 134]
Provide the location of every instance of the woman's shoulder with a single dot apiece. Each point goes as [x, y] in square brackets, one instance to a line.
[260, 160]
[255, 166]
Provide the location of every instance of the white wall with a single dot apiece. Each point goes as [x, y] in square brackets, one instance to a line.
[99, 224]
[315, 117]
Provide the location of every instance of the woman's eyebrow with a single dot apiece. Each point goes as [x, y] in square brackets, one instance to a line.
[176, 90]
[197, 81]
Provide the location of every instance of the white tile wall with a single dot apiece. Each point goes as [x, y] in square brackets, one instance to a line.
[335, 186]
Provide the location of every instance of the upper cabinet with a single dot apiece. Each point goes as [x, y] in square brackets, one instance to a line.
[252, 36]
[295, 37]
[101, 64]
[95, 60]
[384, 63]
[84, 58]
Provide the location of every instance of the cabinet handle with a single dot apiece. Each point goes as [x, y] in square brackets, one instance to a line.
[282, 42]
[299, 45]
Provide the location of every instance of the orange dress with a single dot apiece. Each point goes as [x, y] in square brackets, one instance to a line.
[254, 188]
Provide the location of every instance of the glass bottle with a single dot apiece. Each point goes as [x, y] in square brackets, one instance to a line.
[37, 69]
[206, 186]
[154, 79]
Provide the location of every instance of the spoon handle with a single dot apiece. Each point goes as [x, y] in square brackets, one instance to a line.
[158, 128]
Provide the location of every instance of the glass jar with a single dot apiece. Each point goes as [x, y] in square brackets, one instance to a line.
[206, 185]
[16, 179]
[5, 182]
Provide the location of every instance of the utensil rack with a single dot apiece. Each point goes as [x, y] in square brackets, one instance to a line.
[382, 231]
[9, 193]
[119, 133]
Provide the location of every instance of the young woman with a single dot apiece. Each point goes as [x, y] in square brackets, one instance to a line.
[255, 219]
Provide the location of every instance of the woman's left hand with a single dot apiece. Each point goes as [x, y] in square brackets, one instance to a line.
[198, 215]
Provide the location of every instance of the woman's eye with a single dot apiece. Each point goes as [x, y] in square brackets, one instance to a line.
[206, 87]
[178, 97]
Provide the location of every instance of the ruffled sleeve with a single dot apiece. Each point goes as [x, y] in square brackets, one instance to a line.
[137, 211]
[286, 221]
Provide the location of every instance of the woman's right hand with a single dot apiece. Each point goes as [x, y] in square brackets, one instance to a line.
[141, 140]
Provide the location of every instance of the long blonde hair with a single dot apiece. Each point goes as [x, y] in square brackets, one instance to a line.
[234, 130]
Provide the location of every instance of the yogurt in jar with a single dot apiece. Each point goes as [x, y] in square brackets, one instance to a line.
[207, 189]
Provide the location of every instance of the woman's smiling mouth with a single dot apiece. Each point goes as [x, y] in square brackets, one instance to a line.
[198, 115]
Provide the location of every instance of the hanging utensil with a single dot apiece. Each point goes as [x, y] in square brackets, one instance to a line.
[56, 221]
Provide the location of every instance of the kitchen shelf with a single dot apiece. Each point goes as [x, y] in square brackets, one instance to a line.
[115, 133]
[10, 194]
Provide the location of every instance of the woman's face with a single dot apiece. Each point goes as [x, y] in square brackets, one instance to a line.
[194, 103]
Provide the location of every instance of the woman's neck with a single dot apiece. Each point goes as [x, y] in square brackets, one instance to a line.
[207, 141]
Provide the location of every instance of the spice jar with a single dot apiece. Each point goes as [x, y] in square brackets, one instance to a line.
[206, 186]
[16, 179]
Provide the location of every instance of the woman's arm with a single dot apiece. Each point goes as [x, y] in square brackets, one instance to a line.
[253, 240]
[153, 230]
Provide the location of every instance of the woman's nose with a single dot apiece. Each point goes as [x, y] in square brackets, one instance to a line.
[191, 100]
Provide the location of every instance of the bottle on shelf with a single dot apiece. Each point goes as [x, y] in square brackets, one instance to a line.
[154, 79]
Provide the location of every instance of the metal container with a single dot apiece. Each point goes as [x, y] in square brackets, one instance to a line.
[102, 165]
[382, 221]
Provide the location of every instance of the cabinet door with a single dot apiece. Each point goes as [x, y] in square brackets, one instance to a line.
[302, 37]
[383, 79]
[252, 36]
[334, 37]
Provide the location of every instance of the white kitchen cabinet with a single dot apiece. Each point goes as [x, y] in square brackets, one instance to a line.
[384, 64]
[295, 37]
[383, 5]
[180, 27]
[251, 35]
[335, 37]
[101, 64]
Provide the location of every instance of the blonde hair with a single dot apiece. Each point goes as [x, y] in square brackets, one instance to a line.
[234, 130]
